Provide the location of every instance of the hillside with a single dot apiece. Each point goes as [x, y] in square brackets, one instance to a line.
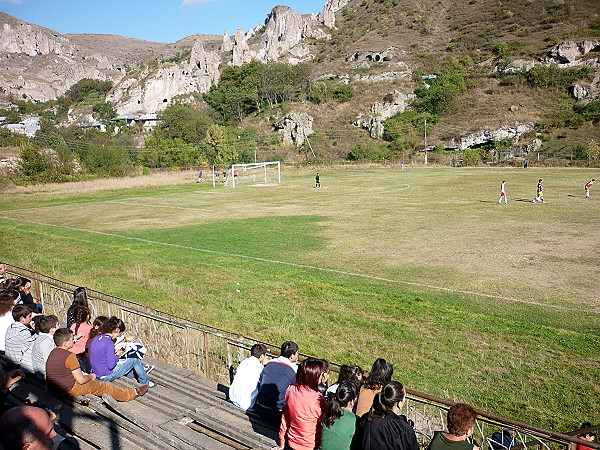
[381, 49]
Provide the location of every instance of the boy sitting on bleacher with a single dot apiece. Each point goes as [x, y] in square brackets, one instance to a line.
[65, 378]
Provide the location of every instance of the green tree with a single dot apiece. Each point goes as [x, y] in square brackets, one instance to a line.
[439, 96]
[104, 111]
[343, 93]
[182, 121]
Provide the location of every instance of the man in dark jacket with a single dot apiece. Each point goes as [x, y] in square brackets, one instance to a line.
[274, 380]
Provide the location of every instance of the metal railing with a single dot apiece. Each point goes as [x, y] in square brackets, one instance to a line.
[213, 352]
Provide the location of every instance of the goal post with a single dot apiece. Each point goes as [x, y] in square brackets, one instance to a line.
[268, 172]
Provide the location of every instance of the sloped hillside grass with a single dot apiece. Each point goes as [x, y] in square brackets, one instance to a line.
[352, 271]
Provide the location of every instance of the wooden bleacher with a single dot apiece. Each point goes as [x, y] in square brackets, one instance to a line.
[183, 411]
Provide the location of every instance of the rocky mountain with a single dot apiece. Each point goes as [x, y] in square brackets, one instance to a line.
[378, 46]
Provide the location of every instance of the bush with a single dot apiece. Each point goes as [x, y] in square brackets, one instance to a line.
[343, 93]
[553, 77]
[368, 150]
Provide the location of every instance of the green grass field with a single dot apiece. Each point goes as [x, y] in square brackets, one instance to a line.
[497, 305]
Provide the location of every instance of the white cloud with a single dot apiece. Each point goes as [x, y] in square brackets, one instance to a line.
[190, 4]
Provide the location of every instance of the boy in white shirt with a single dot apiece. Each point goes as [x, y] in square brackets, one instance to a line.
[244, 389]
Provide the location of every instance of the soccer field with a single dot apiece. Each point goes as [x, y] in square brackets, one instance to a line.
[498, 305]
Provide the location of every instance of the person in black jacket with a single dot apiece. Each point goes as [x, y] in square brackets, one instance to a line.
[383, 427]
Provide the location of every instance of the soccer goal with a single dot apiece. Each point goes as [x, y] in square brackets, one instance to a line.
[258, 173]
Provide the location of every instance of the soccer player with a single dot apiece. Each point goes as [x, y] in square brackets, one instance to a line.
[587, 188]
[540, 192]
[317, 181]
[503, 193]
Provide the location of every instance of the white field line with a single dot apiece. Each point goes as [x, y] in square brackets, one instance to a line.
[308, 266]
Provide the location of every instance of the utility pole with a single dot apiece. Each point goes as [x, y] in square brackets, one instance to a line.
[425, 141]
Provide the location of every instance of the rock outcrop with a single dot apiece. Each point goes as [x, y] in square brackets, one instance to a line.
[570, 53]
[281, 38]
[154, 89]
[33, 40]
[484, 136]
[329, 10]
[295, 128]
[393, 103]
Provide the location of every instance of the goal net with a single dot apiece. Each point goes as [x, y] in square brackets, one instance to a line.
[258, 173]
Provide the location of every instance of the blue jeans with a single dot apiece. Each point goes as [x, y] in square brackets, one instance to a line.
[124, 367]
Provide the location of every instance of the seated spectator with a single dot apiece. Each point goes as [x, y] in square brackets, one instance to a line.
[28, 427]
[381, 374]
[44, 344]
[274, 380]
[304, 407]
[587, 436]
[81, 329]
[104, 357]
[95, 331]
[353, 374]
[23, 285]
[2, 272]
[383, 427]
[9, 379]
[339, 423]
[244, 388]
[79, 299]
[503, 440]
[65, 378]
[461, 423]
[20, 338]
[8, 300]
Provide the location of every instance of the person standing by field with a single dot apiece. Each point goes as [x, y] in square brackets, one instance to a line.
[503, 193]
[588, 185]
[540, 192]
[317, 181]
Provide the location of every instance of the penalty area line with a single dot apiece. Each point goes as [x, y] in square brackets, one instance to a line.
[308, 266]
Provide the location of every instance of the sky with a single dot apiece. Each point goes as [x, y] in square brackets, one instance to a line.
[152, 20]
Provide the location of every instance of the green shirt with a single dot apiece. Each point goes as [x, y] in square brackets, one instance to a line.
[441, 442]
[339, 436]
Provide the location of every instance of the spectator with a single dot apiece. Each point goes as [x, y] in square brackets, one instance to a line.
[7, 302]
[2, 272]
[81, 329]
[381, 374]
[304, 407]
[587, 436]
[503, 440]
[461, 423]
[27, 427]
[104, 357]
[65, 378]
[244, 389]
[9, 379]
[95, 331]
[339, 421]
[347, 373]
[44, 344]
[383, 427]
[20, 338]
[23, 285]
[274, 380]
[79, 299]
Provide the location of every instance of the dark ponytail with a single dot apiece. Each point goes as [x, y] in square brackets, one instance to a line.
[346, 392]
[391, 394]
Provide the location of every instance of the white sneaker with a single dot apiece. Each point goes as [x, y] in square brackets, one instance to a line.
[151, 384]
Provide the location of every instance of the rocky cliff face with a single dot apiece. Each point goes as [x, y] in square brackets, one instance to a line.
[281, 38]
[40, 64]
[153, 89]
